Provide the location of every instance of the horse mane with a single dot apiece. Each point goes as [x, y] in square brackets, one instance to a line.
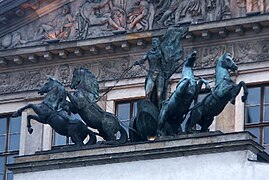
[89, 83]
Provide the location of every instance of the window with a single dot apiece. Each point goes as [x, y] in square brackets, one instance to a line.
[125, 110]
[257, 113]
[9, 143]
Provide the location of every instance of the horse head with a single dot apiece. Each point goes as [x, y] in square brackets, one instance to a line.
[190, 59]
[85, 80]
[77, 78]
[226, 61]
[49, 85]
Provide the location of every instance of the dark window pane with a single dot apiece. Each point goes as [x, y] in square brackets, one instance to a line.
[134, 108]
[15, 125]
[266, 94]
[2, 143]
[3, 126]
[2, 164]
[123, 111]
[255, 132]
[125, 125]
[252, 114]
[254, 96]
[266, 113]
[14, 142]
[10, 159]
[59, 139]
[266, 135]
[9, 176]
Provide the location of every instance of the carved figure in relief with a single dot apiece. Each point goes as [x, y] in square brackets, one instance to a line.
[137, 17]
[174, 11]
[50, 111]
[225, 90]
[212, 9]
[59, 28]
[12, 41]
[154, 85]
[225, 9]
[97, 13]
[252, 6]
[166, 8]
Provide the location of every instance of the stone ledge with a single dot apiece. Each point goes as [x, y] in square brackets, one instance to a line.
[185, 145]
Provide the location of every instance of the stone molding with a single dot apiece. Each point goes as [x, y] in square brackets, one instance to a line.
[184, 145]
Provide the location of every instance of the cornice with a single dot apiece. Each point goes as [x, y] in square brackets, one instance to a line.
[219, 31]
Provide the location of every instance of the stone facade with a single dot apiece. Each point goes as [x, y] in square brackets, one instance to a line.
[51, 38]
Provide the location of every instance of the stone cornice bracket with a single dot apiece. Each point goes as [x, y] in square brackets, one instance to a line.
[125, 45]
[3, 19]
[240, 30]
[141, 43]
[17, 60]
[78, 52]
[32, 58]
[110, 48]
[190, 36]
[48, 56]
[223, 32]
[206, 34]
[3, 62]
[94, 50]
[257, 27]
[63, 54]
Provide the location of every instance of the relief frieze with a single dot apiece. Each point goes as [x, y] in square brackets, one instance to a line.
[84, 19]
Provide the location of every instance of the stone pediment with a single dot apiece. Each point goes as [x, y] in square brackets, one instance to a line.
[35, 22]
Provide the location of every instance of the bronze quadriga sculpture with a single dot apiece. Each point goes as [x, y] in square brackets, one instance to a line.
[50, 111]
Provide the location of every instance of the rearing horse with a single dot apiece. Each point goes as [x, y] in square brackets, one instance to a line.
[175, 109]
[213, 104]
[49, 111]
[83, 102]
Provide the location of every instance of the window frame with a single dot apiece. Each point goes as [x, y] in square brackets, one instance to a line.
[261, 124]
[7, 153]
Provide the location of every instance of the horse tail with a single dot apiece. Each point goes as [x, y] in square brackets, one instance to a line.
[123, 136]
[92, 135]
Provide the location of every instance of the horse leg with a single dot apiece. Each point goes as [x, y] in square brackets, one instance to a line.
[73, 132]
[236, 91]
[195, 116]
[205, 123]
[19, 111]
[29, 126]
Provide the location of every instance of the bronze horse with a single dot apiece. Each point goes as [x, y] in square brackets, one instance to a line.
[49, 111]
[83, 102]
[213, 104]
[175, 109]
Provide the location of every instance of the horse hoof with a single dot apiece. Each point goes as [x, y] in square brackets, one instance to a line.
[30, 130]
[244, 98]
